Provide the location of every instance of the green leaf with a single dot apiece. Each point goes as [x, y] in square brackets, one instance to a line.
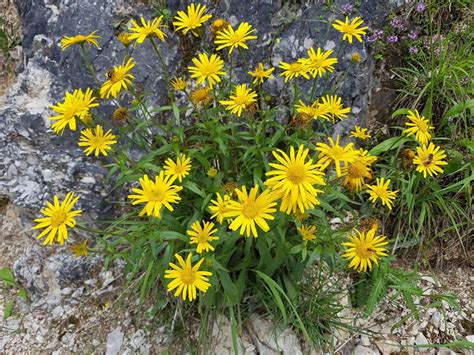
[400, 111]
[194, 188]
[388, 144]
[8, 310]
[6, 276]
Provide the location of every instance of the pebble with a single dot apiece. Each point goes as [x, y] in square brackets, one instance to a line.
[114, 342]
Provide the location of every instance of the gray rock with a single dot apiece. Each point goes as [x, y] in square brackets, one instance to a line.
[221, 339]
[114, 342]
[363, 350]
[273, 339]
[421, 339]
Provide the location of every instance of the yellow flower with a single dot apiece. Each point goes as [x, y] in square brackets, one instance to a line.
[119, 77]
[229, 188]
[293, 179]
[419, 126]
[79, 249]
[90, 39]
[97, 141]
[193, 19]
[75, 105]
[234, 39]
[201, 96]
[334, 106]
[351, 29]
[58, 217]
[294, 70]
[364, 249]
[308, 232]
[381, 191]
[356, 57]
[156, 194]
[187, 278]
[218, 25]
[335, 153]
[315, 111]
[179, 84]
[360, 133]
[358, 170]
[300, 216]
[125, 38]
[212, 172]
[251, 210]
[319, 63]
[219, 207]
[242, 98]
[429, 159]
[149, 29]
[202, 235]
[260, 73]
[179, 169]
[207, 68]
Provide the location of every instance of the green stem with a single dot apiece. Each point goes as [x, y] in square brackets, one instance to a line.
[164, 67]
[230, 72]
[88, 64]
[313, 89]
[243, 59]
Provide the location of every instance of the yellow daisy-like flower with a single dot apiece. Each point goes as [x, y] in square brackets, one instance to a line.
[79, 249]
[358, 170]
[315, 111]
[219, 207]
[294, 70]
[319, 63]
[58, 217]
[201, 96]
[124, 38]
[195, 17]
[251, 210]
[156, 194]
[97, 141]
[242, 98]
[351, 29]
[234, 39]
[202, 235]
[293, 178]
[334, 107]
[218, 25]
[356, 57]
[364, 248]
[207, 68]
[90, 39]
[179, 84]
[212, 172]
[308, 232]
[429, 160]
[187, 278]
[179, 169]
[119, 78]
[335, 153]
[75, 105]
[380, 191]
[419, 126]
[260, 73]
[149, 29]
[360, 133]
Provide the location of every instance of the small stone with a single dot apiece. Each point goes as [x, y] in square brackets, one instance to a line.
[470, 338]
[114, 342]
[421, 339]
[363, 350]
[364, 340]
[445, 351]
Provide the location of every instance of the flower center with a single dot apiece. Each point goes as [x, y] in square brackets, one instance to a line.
[157, 195]
[381, 192]
[97, 142]
[203, 237]
[188, 276]
[208, 69]
[178, 169]
[296, 174]
[348, 29]
[296, 67]
[116, 76]
[58, 218]
[241, 100]
[356, 170]
[337, 153]
[250, 210]
[364, 250]
[236, 38]
[422, 126]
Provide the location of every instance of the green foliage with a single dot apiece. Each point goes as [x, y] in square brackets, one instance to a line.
[8, 39]
[8, 279]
